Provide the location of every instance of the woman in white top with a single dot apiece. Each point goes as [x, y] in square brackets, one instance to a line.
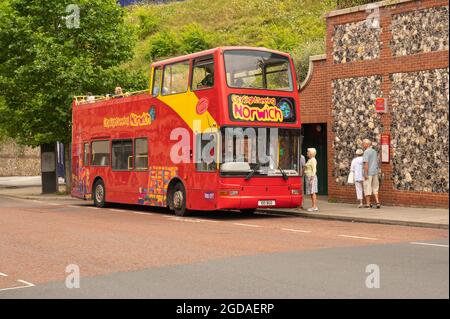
[310, 172]
[357, 168]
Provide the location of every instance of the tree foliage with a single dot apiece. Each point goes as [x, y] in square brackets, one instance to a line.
[194, 39]
[293, 26]
[46, 59]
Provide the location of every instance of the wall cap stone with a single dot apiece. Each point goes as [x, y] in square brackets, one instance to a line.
[363, 7]
[312, 59]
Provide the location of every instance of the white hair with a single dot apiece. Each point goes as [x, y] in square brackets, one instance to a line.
[312, 151]
[367, 141]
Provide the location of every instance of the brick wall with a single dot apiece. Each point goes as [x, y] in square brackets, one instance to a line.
[341, 65]
[313, 101]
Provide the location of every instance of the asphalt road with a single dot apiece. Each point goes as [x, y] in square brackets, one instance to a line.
[139, 252]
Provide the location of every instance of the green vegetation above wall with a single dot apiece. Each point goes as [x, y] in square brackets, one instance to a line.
[166, 30]
[341, 4]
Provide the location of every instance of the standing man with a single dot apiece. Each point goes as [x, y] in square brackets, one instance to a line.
[371, 182]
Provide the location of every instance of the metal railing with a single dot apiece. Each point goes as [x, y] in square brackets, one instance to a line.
[86, 99]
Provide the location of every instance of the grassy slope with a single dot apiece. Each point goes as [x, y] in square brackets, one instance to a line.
[294, 26]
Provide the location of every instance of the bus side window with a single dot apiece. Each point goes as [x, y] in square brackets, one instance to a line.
[141, 154]
[122, 154]
[203, 73]
[100, 153]
[175, 78]
[156, 81]
[86, 154]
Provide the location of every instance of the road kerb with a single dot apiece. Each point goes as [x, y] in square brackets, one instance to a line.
[357, 219]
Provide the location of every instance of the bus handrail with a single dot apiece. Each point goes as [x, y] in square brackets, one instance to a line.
[86, 99]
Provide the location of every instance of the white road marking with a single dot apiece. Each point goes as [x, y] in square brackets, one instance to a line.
[53, 204]
[209, 221]
[26, 282]
[4, 275]
[195, 220]
[92, 207]
[189, 220]
[358, 237]
[428, 244]
[296, 230]
[139, 213]
[27, 285]
[74, 206]
[246, 225]
[118, 210]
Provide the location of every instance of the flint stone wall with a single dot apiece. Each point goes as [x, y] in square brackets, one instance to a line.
[354, 119]
[18, 160]
[355, 42]
[420, 31]
[420, 128]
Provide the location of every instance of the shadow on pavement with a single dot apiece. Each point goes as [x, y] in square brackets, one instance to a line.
[212, 215]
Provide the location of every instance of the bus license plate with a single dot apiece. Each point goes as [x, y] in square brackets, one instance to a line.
[266, 203]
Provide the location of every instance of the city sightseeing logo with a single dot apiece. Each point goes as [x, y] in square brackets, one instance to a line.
[260, 109]
[133, 120]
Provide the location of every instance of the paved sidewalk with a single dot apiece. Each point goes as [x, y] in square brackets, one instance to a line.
[395, 215]
[406, 216]
[22, 181]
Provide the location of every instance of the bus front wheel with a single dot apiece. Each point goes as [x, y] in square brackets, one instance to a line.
[179, 200]
[99, 194]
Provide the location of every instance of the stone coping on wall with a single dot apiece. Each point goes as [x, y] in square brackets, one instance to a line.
[363, 7]
[312, 59]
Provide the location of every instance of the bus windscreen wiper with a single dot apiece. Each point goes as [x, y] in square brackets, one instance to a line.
[285, 177]
[252, 173]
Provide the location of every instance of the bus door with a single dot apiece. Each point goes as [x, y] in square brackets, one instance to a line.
[141, 173]
[121, 167]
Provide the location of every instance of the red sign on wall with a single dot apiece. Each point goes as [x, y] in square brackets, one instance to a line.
[385, 142]
[381, 105]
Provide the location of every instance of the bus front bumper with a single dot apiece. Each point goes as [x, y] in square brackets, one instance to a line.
[251, 202]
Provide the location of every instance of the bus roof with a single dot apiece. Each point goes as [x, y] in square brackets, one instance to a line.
[212, 51]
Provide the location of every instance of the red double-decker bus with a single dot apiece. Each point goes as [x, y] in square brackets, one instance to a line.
[218, 129]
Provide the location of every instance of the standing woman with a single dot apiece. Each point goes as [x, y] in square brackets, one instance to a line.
[357, 168]
[311, 178]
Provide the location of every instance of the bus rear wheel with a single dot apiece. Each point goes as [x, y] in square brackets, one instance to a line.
[179, 200]
[99, 194]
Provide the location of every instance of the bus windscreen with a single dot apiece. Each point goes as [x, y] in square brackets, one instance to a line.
[253, 69]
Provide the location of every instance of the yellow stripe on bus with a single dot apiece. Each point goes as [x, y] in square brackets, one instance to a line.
[184, 105]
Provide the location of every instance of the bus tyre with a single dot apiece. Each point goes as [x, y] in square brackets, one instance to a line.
[99, 194]
[248, 211]
[179, 200]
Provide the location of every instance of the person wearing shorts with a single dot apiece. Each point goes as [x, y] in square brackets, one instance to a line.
[371, 182]
[311, 178]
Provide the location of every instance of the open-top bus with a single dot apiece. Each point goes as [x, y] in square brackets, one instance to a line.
[218, 129]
